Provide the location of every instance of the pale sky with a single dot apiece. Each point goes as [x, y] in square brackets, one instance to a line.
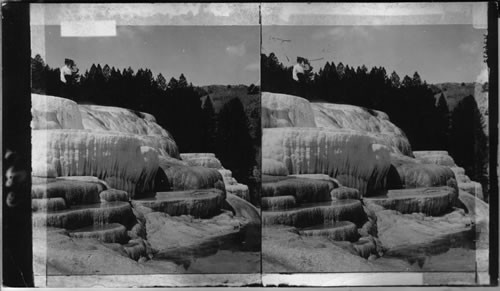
[230, 54]
[225, 55]
[440, 53]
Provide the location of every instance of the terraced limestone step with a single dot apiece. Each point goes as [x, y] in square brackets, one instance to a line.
[278, 202]
[74, 192]
[341, 231]
[180, 178]
[201, 203]
[304, 190]
[112, 195]
[110, 233]
[239, 190]
[431, 201]
[311, 214]
[48, 204]
[80, 216]
[345, 193]
[410, 173]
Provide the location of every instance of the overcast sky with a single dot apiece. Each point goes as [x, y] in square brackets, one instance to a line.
[230, 54]
[440, 53]
[204, 54]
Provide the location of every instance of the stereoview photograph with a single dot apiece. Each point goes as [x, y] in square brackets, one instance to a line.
[146, 150]
[257, 144]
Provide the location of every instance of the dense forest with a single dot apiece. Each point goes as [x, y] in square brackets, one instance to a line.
[416, 107]
[177, 105]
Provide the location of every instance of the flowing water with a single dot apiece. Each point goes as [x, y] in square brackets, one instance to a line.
[234, 253]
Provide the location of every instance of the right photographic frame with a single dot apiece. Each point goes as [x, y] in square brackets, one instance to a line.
[375, 144]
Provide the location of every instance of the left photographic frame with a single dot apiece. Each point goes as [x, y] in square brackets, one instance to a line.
[145, 144]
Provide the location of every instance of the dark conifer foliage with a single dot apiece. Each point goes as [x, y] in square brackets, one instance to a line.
[233, 144]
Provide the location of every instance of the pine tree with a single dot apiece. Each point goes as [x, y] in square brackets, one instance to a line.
[443, 119]
[182, 81]
[173, 84]
[161, 82]
[340, 70]
[209, 126]
[407, 82]
[417, 81]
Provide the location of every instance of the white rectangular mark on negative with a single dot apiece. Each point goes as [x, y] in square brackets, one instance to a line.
[93, 28]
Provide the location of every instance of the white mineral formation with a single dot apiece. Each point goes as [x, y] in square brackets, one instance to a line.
[107, 118]
[117, 145]
[273, 168]
[375, 122]
[281, 110]
[353, 158]
[51, 112]
[117, 158]
[435, 157]
[209, 160]
[444, 159]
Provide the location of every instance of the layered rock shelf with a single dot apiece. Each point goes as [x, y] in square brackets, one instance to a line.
[302, 190]
[442, 158]
[110, 233]
[316, 213]
[354, 159]
[209, 160]
[430, 201]
[120, 159]
[281, 110]
[73, 192]
[279, 202]
[180, 178]
[86, 215]
[342, 116]
[412, 173]
[198, 203]
[340, 231]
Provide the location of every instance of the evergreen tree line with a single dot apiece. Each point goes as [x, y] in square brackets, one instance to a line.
[176, 105]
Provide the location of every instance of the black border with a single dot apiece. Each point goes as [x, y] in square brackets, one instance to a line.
[493, 136]
[16, 136]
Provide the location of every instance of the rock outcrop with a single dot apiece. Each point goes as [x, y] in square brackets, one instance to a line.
[209, 160]
[351, 157]
[412, 173]
[442, 158]
[120, 159]
[433, 201]
[202, 203]
[343, 116]
[281, 110]
[51, 112]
